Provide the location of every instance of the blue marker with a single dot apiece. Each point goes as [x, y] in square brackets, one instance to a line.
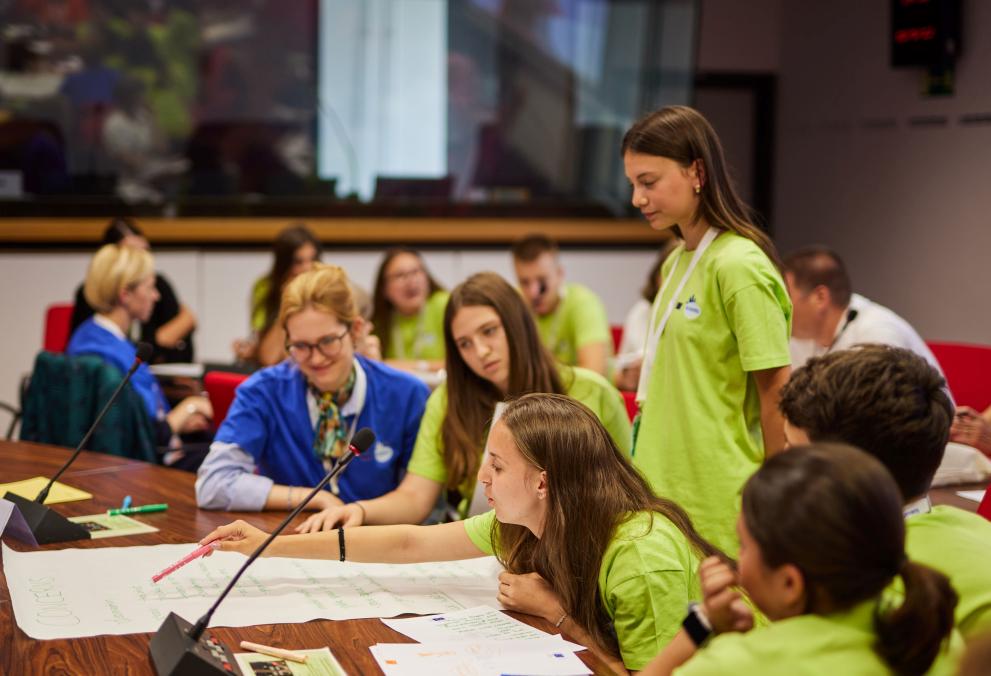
[126, 503]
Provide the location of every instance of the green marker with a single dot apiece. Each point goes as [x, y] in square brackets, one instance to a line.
[143, 509]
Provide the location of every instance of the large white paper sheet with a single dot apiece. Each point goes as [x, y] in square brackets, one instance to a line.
[73, 593]
[544, 657]
[481, 623]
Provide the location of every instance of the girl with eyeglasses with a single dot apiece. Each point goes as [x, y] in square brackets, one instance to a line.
[408, 312]
[493, 353]
[290, 422]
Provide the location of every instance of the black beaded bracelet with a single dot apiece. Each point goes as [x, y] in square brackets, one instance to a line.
[340, 541]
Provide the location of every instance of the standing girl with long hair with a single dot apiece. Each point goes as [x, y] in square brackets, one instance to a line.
[493, 353]
[585, 543]
[717, 347]
[822, 538]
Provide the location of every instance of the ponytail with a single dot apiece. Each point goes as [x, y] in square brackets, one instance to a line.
[911, 635]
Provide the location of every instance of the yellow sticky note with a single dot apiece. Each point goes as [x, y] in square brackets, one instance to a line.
[29, 488]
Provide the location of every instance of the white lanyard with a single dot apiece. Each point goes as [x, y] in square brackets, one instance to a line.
[921, 506]
[657, 327]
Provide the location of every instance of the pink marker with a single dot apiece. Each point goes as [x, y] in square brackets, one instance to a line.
[208, 547]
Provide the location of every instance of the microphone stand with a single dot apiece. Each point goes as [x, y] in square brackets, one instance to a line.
[176, 648]
[47, 525]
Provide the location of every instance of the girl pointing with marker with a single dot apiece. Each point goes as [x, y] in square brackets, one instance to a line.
[585, 543]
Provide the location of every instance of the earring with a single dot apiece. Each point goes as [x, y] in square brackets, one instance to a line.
[698, 189]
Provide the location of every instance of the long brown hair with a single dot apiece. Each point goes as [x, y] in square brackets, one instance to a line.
[381, 306]
[591, 488]
[835, 513]
[682, 134]
[285, 246]
[471, 398]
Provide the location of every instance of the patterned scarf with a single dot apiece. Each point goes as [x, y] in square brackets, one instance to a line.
[330, 441]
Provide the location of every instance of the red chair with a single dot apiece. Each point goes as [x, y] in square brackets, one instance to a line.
[617, 337]
[985, 507]
[968, 372]
[58, 320]
[630, 399]
[220, 387]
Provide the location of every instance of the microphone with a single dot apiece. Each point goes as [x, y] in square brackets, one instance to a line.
[49, 526]
[176, 647]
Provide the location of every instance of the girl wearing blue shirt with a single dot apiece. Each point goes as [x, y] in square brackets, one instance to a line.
[289, 422]
[120, 286]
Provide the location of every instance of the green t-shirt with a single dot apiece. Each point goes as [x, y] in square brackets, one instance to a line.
[699, 436]
[578, 320]
[649, 573]
[835, 644]
[586, 386]
[420, 336]
[958, 544]
[259, 292]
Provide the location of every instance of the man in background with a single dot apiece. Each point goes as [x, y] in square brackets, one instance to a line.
[570, 317]
[828, 316]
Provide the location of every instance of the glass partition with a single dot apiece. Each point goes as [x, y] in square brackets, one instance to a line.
[331, 107]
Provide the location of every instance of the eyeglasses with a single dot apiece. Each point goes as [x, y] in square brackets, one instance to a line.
[329, 346]
[403, 275]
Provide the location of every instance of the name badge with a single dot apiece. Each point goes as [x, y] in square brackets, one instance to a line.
[692, 309]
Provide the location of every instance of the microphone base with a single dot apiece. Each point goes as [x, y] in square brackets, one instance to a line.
[173, 652]
[47, 525]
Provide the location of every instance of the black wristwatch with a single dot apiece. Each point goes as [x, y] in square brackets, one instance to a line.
[696, 624]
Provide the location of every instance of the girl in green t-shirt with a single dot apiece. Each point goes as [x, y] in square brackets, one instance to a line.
[716, 352]
[295, 250]
[493, 353]
[822, 539]
[408, 312]
[585, 543]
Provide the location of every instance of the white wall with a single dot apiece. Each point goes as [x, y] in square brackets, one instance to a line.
[216, 284]
[907, 207]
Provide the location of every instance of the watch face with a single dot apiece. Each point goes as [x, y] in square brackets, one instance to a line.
[693, 625]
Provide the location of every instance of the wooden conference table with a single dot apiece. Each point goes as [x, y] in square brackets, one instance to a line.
[109, 479]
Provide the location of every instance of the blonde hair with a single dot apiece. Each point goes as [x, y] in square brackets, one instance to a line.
[325, 288]
[113, 269]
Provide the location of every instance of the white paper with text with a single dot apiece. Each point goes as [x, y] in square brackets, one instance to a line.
[73, 593]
